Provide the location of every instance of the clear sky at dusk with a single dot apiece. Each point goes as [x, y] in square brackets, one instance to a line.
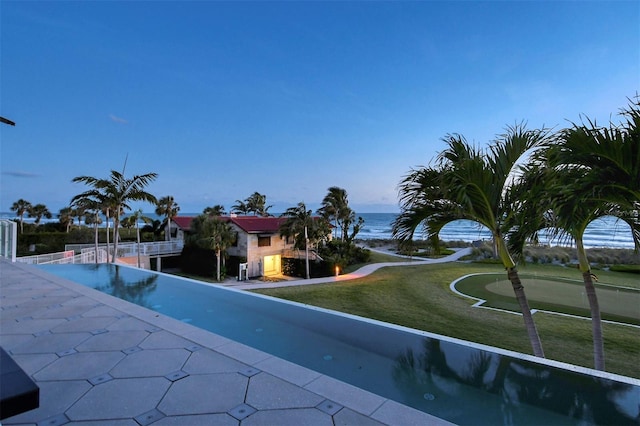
[223, 99]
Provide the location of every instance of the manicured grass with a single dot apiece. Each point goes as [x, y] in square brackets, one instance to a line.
[617, 303]
[419, 297]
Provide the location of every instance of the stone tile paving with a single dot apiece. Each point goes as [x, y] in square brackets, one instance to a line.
[101, 361]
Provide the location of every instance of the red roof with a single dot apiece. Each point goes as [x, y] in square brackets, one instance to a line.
[252, 224]
[184, 222]
[249, 224]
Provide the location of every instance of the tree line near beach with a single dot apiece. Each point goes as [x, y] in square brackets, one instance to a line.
[111, 197]
[526, 180]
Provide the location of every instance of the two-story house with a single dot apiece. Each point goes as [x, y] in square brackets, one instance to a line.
[258, 240]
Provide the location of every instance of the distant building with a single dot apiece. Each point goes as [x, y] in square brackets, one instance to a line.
[258, 240]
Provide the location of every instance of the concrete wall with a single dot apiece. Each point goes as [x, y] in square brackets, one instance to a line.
[248, 247]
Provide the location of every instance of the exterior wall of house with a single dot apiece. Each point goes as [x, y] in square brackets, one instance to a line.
[248, 247]
[174, 231]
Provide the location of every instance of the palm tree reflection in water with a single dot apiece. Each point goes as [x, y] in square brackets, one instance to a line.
[519, 385]
[132, 290]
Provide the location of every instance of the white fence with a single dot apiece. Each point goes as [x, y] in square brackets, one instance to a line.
[88, 253]
[39, 259]
[154, 249]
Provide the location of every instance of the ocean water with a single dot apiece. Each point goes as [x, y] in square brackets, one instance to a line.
[606, 232]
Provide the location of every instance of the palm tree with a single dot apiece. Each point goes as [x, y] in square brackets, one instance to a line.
[609, 160]
[21, 207]
[212, 233]
[335, 207]
[257, 204]
[301, 226]
[117, 191]
[65, 216]
[79, 212]
[424, 205]
[106, 207]
[240, 207]
[333, 204]
[168, 208]
[217, 210]
[39, 211]
[593, 172]
[91, 208]
[134, 220]
[473, 184]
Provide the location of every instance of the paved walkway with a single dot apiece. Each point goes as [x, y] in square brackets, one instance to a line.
[364, 271]
[99, 360]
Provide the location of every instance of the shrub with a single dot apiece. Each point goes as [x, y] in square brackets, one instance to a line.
[634, 269]
[199, 261]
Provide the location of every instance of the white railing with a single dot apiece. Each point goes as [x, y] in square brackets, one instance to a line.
[156, 248]
[88, 252]
[300, 254]
[88, 257]
[39, 259]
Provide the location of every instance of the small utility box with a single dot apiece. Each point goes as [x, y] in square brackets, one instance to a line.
[243, 270]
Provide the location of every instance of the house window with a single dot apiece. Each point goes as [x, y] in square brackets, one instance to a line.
[264, 241]
[234, 242]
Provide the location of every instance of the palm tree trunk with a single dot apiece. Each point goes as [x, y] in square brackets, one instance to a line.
[138, 239]
[306, 250]
[521, 297]
[596, 321]
[95, 227]
[107, 215]
[530, 325]
[116, 223]
[218, 265]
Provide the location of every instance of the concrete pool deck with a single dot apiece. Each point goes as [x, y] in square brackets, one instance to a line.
[99, 360]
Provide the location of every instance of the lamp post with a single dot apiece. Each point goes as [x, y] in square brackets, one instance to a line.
[306, 250]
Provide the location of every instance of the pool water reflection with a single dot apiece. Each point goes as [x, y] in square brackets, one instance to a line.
[461, 382]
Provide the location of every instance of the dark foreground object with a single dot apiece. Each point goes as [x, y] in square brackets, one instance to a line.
[18, 393]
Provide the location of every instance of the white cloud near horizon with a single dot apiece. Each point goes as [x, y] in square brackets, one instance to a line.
[21, 174]
[117, 119]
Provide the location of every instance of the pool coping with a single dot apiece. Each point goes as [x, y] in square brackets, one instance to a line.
[371, 405]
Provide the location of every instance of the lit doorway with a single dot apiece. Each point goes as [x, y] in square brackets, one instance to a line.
[271, 265]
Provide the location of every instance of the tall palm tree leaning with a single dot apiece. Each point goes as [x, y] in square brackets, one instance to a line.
[474, 184]
[21, 207]
[118, 191]
[168, 208]
[212, 233]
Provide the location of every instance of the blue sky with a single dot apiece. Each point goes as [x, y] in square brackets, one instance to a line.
[222, 99]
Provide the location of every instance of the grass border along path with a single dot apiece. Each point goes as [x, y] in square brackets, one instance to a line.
[551, 294]
[419, 297]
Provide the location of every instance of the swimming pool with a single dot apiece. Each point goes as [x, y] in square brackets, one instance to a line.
[458, 381]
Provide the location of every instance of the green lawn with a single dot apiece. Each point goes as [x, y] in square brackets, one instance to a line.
[419, 297]
[617, 303]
